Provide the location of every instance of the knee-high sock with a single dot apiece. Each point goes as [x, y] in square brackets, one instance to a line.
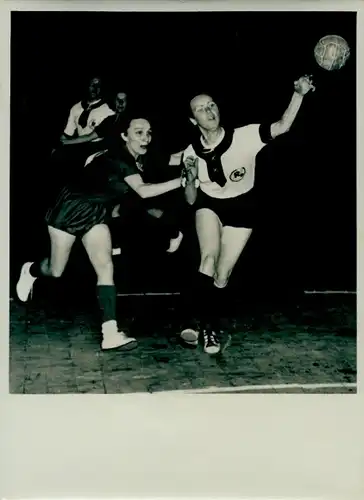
[219, 303]
[201, 301]
[35, 270]
[40, 268]
[106, 295]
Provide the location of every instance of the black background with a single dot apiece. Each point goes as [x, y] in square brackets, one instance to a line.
[248, 61]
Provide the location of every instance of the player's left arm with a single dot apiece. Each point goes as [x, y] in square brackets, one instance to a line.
[301, 87]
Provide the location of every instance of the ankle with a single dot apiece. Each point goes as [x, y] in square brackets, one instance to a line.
[35, 270]
[109, 326]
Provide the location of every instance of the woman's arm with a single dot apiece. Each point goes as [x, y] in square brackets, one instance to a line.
[301, 87]
[191, 192]
[144, 190]
[190, 179]
[79, 140]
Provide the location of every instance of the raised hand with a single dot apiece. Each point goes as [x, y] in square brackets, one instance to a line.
[304, 84]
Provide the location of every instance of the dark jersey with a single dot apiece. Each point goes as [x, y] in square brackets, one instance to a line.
[110, 129]
[103, 180]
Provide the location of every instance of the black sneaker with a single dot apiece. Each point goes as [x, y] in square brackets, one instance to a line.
[211, 343]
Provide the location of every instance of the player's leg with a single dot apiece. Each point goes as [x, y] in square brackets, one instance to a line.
[166, 227]
[238, 216]
[53, 266]
[233, 242]
[208, 227]
[98, 245]
[174, 212]
[65, 219]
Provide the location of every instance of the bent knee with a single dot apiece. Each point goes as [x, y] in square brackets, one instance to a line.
[221, 279]
[103, 265]
[56, 273]
[208, 263]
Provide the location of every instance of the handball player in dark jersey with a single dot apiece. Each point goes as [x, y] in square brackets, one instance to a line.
[83, 210]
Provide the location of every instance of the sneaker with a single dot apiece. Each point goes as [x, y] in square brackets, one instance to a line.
[113, 339]
[175, 243]
[24, 287]
[190, 336]
[211, 343]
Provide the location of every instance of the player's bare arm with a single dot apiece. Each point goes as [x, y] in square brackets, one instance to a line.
[78, 140]
[190, 179]
[301, 87]
[147, 190]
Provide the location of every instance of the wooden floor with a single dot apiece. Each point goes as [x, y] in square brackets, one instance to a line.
[305, 346]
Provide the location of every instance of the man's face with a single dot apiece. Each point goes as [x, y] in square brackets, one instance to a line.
[138, 136]
[120, 102]
[94, 88]
[205, 112]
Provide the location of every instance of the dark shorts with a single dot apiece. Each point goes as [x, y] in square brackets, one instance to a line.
[240, 211]
[76, 214]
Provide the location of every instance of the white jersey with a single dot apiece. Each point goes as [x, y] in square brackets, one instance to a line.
[95, 117]
[238, 163]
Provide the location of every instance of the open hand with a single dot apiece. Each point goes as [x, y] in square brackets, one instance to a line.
[304, 84]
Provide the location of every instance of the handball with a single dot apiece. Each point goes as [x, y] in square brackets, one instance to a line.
[331, 52]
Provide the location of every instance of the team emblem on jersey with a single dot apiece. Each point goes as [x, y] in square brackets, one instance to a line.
[92, 124]
[237, 174]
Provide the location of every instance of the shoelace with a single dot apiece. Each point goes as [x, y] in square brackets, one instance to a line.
[210, 337]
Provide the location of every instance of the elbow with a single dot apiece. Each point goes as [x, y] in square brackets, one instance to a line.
[285, 129]
[279, 128]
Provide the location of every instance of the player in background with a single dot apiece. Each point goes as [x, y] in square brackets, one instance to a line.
[108, 129]
[88, 113]
[219, 183]
[83, 119]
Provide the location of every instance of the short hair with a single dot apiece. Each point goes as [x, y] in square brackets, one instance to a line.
[130, 116]
[94, 76]
[192, 96]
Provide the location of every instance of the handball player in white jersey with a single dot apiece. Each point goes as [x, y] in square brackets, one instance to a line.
[219, 182]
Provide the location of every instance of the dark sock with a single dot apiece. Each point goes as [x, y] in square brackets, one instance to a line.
[35, 270]
[106, 295]
[218, 307]
[198, 298]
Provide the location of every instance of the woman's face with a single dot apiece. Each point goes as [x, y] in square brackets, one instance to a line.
[138, 136]
[205, 112]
